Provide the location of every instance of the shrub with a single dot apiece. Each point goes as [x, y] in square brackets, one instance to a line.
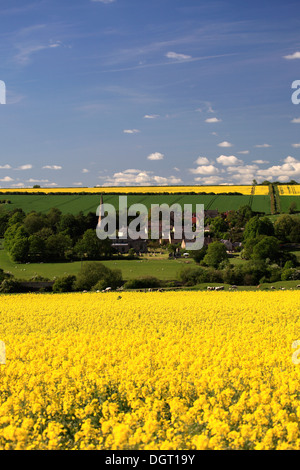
[142, 282]
[9, 286]
[94, 272]
[64, 284]
[191, 276]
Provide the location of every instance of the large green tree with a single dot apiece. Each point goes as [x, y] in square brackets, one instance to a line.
[216, 253]
[258, 226]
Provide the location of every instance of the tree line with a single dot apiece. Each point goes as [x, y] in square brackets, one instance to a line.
[265, 247]
[52, 237]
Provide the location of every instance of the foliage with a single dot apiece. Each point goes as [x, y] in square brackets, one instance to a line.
[258, 226]
[64, 284]
[96, 275]
[142, 282]
[216, 253]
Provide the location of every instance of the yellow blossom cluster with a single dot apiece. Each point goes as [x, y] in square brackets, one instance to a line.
[150, 370]
[243, 189]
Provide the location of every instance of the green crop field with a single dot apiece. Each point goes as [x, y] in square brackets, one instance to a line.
[86, 203]
[286, 201]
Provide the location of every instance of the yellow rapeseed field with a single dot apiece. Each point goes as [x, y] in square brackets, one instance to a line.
[243, 189]
[289, 189]
[150, 370]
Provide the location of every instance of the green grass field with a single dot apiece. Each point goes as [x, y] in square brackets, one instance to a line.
[89, 202]
[164, 269]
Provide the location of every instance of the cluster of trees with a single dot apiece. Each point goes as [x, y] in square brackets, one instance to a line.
[264, 248]
[230, 224]
[52, 237]
[249, 274]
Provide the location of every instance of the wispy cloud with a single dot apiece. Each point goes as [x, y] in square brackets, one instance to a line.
[296, 121]
[52, 167]
[296, 55]
[165, 63]
[33, 180]
[151, 116]
[103, 1]
[5, 167]
[26, 51]
[262, 146]
[131, 131]
[177, 56]
[28, 166]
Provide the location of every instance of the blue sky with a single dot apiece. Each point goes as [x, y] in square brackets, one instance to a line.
[133, 92]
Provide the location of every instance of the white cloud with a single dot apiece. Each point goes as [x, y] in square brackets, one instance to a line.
[151, 116]
[24, 167]
[210, 180]
[225, 144]
[156, 156]
[289, 169]
[296, 55]
[242, 169]
[5, 167]
[212, 120]
[131, 131]
[52, 167]
[133, 177]
[176, 56]
[296, 146]
[230, 160]
[290, 159]
[243, 178]
[260, 146]
[260, 162]
[204, 170]
[32, 180]
[296, 120]
[6, 179]
[103, 1]
[244, 152]
[85, 170]
[202, 161]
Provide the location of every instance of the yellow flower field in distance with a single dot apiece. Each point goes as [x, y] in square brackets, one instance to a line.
[245, 190]
[289, 189]
[150, 370]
